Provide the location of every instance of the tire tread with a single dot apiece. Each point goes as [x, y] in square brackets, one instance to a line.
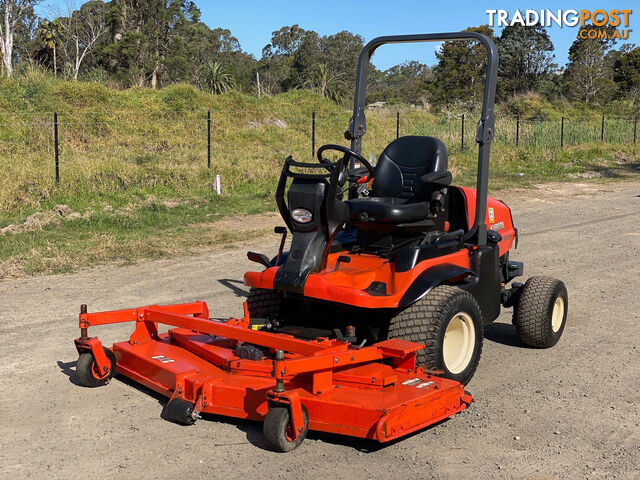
[420, 323]
[530, 313]
[263, 303]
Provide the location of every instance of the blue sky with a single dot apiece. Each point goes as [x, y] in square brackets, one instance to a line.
[252, 22]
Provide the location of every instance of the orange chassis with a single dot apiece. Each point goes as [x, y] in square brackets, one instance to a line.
[373, 392]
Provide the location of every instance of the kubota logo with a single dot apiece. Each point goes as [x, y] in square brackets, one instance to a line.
[610, 23]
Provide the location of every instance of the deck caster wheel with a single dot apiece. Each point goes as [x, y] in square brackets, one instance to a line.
[180, 411]
[87, 370]
[541, 312]
[277, 429]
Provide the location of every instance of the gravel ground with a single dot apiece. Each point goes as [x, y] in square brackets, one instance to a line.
[568, 412]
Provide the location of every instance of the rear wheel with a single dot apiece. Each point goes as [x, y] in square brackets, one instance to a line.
[263, 303]
[540, 313]
[449, 322]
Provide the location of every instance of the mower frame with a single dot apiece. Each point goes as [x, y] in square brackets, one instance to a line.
[374, 392]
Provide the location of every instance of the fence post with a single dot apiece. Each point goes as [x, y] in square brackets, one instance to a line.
[562, 133]
[397, 124]
[517, 130]
[602, 130]
[208, 138]
[462, 134]
[313, 134]
[635, 129]
[56, 151]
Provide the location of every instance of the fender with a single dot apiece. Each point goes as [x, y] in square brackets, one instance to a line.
[431, 278]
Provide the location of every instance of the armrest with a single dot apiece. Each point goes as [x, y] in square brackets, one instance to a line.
[442, 178]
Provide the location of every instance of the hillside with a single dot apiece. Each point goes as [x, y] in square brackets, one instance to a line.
[134, 181]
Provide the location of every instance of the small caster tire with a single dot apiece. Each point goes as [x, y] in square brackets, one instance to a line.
[277, 431]
[87, 372]
[180, 411]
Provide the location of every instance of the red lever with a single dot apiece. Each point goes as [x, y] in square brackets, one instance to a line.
[362, 180]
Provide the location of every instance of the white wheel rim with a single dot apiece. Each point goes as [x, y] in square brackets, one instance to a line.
[459, 343]
[557, 315]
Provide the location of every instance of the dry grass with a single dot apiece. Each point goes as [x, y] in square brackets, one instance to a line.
[133, 163]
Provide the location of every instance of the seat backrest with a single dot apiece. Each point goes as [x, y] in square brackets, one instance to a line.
[403, 162]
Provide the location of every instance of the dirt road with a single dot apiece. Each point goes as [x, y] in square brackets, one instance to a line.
[569, 412]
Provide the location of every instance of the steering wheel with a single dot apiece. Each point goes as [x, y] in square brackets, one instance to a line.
[345, 175]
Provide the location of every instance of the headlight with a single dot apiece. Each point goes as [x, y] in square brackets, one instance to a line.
[301, 215]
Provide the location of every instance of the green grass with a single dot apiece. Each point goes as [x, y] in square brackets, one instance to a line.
[150, 231]
[132, 151]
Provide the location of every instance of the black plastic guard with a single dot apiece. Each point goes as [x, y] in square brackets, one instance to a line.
[431, 278]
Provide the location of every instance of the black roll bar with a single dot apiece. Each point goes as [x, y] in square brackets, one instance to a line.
[484, 130]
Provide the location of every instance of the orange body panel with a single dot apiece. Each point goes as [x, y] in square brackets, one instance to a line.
[348, 284]
[498, 218]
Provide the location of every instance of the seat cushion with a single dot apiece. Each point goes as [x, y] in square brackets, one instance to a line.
[402, 164]
[387, 210]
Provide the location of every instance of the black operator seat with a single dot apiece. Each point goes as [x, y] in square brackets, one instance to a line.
[409, 170]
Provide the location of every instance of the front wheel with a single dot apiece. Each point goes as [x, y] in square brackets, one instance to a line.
[448, 321]
[277, 429]
[87, 370]
[263, 303]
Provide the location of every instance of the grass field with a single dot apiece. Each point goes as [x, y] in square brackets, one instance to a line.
[133, 163]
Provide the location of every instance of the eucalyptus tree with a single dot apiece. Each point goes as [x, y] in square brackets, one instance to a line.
[12, 13]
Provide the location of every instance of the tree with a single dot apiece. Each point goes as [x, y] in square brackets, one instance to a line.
[461, 69]
[216, 78]
[158, 42]
[285, 41]
[277, 63]
[12, 13]
[526, 58]
[50, 33]
[25, 37]
[626, 71]
[341, 53]
[589, 73]
[409, 82]
[82, 29]
[147, 36]
[328, 85]
[294, 54]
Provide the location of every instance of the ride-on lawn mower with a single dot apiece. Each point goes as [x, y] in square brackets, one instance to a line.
[372, 322]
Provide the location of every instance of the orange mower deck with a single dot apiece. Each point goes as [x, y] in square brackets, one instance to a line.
[373, 392]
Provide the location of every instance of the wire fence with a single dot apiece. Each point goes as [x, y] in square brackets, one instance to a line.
[212, 140]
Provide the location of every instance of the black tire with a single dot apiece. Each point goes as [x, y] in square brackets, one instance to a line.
[533, 313]
[276, 426]
[426, 321]
[263, 303]
[179, 411]
[85, 369]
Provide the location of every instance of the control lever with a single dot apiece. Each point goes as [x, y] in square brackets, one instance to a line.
[280, 231]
